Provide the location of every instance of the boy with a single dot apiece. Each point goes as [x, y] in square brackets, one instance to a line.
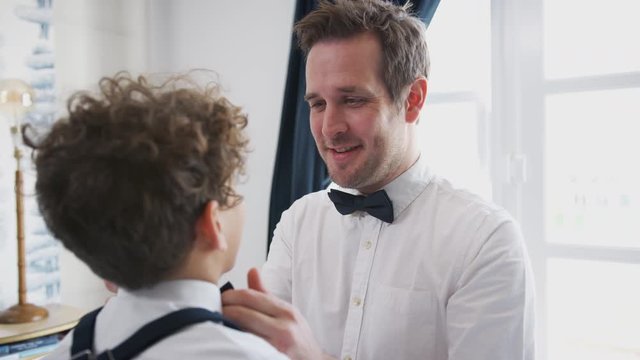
[138, 183]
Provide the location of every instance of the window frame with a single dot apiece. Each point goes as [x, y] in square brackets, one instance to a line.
[519, 90]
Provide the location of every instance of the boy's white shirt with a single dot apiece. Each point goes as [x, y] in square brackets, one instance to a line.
[130, 310]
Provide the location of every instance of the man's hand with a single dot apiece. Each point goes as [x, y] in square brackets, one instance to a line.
[276, 321]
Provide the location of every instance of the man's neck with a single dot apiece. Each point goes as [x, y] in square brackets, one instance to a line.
[405, 165]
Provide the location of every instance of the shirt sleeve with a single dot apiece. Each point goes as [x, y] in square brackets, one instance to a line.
[490, 315]
[276, 272]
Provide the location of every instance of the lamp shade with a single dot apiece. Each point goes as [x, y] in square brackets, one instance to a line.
[16, 97]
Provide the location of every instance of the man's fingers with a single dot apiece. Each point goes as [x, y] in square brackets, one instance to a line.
[273, 319]
[271, 329]
[258, 301]
[250, 320]
[254, 280]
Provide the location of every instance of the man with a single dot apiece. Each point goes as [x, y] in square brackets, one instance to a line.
[137, 182]
[410, 268]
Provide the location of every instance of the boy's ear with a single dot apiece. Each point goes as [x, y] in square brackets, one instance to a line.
[415, 99]
[208, 228]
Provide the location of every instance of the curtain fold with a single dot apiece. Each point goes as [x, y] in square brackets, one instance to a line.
[299, 169]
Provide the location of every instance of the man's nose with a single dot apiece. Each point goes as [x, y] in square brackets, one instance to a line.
[334, 122]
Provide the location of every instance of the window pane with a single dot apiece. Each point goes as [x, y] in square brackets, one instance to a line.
[451, 133]
[591, 37]
[593, 311]
[449, 139]
[592, 168]
[459, 42]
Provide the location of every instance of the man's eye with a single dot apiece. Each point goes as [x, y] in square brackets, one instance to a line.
[354, 101]
[316, 104]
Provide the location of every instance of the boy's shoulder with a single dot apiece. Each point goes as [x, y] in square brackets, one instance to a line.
[201, 341]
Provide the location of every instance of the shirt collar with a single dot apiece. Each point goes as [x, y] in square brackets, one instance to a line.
[182, 293]
[404, 189]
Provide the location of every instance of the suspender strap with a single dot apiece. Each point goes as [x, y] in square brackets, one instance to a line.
[146, 336]
[82, 345]
[158, 329]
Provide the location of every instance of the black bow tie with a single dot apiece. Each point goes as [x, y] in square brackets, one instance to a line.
[377, 204]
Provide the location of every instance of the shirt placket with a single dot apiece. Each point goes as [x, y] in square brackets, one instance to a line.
[359, 284]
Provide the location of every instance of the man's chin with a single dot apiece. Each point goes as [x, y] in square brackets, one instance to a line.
[345, 180]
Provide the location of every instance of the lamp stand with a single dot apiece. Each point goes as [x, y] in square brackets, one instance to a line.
[22, 312]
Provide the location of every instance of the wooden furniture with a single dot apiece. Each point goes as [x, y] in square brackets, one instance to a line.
[61, 319]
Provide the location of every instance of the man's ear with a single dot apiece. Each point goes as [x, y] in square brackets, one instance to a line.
[415, 99]
[208, 228]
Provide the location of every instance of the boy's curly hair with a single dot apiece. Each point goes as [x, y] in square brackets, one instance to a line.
[122, 180]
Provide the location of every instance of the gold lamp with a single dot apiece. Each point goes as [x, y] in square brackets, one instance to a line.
[16, 98]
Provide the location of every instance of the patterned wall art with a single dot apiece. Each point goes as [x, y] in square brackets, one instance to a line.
[26, 52]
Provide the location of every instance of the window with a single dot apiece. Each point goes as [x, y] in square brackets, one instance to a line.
[538, 101]
[591, 209]
[453, 130]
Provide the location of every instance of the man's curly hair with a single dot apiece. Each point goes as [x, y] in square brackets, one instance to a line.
[122, 180]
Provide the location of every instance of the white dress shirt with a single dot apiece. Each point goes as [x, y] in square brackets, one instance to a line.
[449, 279]
[130, 310]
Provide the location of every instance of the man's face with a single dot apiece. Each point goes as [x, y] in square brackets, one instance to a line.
[360, 133]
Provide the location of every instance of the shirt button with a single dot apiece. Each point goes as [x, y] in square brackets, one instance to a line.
[367, 245]
[357, 301]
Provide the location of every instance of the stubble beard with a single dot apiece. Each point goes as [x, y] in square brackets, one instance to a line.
[375, 168]
[355, 178]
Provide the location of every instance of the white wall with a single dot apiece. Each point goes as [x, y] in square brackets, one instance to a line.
[245, 42]
[93, 38]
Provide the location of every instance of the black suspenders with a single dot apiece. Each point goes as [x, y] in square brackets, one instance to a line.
[145, 337]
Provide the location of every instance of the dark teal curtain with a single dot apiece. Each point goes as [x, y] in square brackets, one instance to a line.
[299, 169]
